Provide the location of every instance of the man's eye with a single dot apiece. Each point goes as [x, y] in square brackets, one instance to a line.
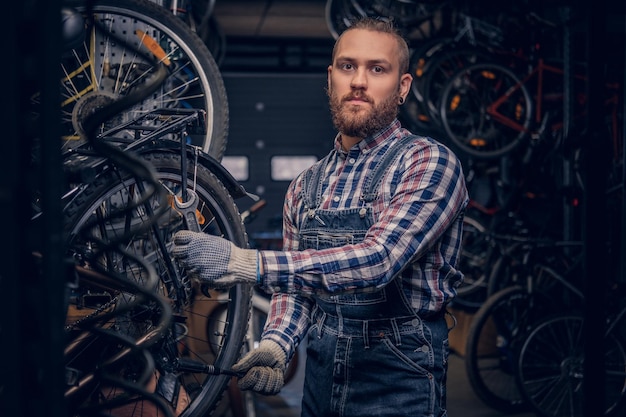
[347, 66]
[378, 69]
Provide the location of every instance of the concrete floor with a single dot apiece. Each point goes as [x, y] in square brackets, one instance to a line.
[462, 402]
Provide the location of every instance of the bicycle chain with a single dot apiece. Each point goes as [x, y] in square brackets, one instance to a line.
[96, 311]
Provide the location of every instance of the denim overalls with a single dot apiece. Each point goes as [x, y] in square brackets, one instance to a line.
[368, 353]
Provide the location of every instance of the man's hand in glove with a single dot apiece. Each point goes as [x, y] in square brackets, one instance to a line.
[264, 369]
[215, 260]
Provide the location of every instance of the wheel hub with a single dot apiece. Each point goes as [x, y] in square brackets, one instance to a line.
[89, 104]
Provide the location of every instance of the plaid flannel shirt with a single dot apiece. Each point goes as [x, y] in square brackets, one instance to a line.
[416, 236]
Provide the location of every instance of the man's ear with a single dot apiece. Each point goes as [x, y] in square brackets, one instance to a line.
[405, 84]
[328, 83]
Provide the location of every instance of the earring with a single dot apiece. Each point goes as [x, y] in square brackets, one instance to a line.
[401, 100]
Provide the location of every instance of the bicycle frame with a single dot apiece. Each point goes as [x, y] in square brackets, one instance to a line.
[149, 132]
[540, 98]
[82, 161]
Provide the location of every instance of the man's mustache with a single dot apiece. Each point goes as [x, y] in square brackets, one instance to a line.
[356, 96]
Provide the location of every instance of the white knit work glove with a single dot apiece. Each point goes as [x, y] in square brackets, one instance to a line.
[264, 369]
[214, 260]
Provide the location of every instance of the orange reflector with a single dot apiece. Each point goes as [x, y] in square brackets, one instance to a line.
[199, 216]
[454, 104]
[488, 74]
[478, 142]
[420, 67]
[153, 46]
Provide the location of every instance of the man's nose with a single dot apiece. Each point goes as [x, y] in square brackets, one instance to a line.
[359, 79]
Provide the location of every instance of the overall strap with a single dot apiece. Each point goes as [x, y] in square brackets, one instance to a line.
[311, 183]
[372, 183]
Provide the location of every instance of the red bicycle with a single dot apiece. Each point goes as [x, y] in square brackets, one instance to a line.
[488, 111]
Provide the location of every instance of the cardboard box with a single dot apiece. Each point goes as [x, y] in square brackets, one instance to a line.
[459, 334]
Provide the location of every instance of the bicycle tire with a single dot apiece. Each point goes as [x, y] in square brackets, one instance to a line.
[437, 71]
[417, 63]
[550, 372]
[493, 342]
[474, 262]
[217, 214]
[469, 115]
[102, 70]
[339, 15]
[507, 270]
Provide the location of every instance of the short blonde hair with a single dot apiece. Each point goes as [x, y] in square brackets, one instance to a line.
[382, 25]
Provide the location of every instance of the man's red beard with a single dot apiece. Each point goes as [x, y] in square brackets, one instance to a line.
[362, 121]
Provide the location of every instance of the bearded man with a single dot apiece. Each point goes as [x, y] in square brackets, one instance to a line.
[371, 239]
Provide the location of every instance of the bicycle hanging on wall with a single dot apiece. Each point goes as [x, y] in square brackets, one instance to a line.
[141, 338]
[104, 68]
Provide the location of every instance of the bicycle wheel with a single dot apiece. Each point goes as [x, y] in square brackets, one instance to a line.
[486, 110]
[104, 69]
[498, 329]
[339, 15]
[440, 67]
[474, 262]
[551, 369]
[198, 339]
[418, 60]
